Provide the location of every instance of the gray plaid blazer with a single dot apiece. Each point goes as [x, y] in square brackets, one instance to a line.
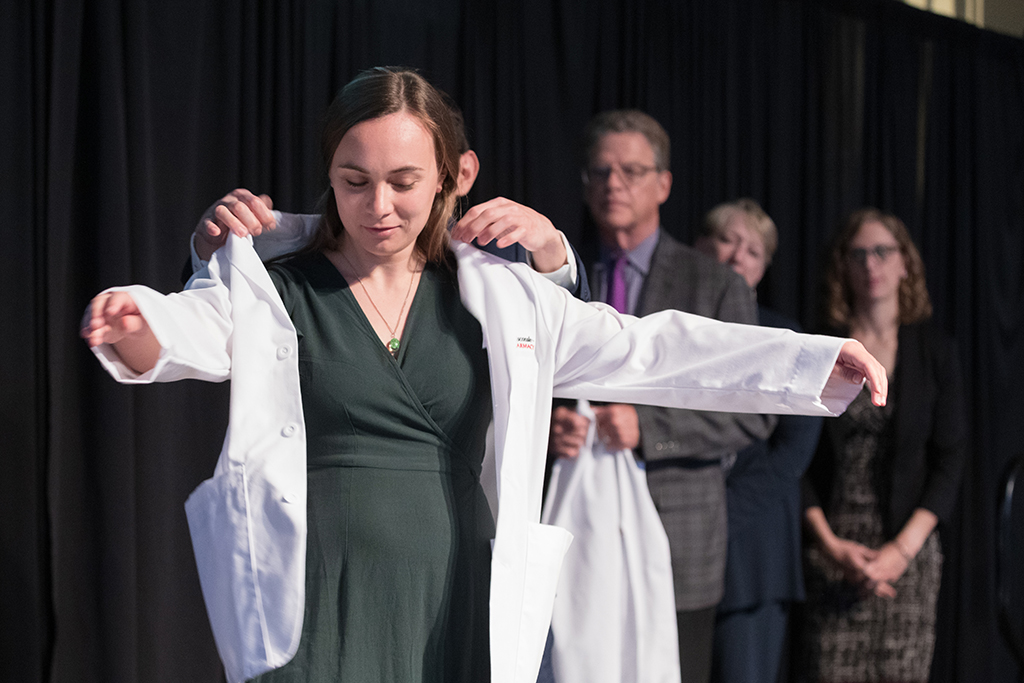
[684, 450]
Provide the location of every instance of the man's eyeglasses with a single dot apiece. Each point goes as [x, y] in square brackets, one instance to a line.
[630, 174]
[881, 252]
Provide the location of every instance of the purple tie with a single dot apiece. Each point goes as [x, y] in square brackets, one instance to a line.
[617, 290]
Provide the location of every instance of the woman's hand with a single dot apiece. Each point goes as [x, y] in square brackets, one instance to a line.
[851, 557]
[855, 364]
[114, 318]
[240, 212]
[508, 222]
[888, 566]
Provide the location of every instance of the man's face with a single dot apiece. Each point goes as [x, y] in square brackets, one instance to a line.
[624, 189]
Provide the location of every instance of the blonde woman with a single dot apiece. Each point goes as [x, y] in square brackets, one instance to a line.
[763, 576]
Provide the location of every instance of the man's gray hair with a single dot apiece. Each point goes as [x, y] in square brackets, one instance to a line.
[627, 121]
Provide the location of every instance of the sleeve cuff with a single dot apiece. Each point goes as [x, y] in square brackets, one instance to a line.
[197, 263]
[566, 276]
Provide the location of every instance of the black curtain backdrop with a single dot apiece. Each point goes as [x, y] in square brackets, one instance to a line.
[123, 119]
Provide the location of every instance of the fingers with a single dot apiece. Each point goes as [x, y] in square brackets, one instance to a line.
[240, 212]
[90, 323]
[109, 318]
[888, 566]
[852, 555]
[478, 222]
[569, 423]
[568, 432]
[878, 382]
[508, 223]
[856, 364]
[882, 589]
[243, 213]
[618, 425]
[874, 373]
[98, 327]
[857, 561]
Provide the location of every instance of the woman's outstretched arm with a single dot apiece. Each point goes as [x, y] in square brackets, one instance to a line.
[114, 318]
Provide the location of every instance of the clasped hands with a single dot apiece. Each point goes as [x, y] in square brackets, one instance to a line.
[618, 427]
[873, 570]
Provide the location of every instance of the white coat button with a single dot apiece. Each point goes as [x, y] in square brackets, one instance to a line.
[289, 497]
[290, 429]
[283, 352]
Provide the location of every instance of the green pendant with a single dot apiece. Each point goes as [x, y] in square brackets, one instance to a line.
[393, 346]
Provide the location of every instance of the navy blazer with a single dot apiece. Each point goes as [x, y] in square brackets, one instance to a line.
[764, 513]
[930, 432]
[516, 253]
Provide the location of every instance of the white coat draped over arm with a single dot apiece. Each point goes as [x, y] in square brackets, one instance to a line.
[542, 343]
[248, 521]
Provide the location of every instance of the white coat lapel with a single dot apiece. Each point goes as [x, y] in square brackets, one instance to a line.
[527, 555]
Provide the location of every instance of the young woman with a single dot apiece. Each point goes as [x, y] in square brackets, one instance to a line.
[344, 535]
[883, 476]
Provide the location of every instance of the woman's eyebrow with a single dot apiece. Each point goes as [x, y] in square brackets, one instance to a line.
[360, 169]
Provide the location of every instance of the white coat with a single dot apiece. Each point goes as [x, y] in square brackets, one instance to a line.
[248, 522]
[614, 617]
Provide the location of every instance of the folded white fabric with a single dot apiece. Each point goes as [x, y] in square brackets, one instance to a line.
[614, 617]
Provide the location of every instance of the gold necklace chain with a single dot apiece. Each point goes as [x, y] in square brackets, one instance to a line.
[394, 344]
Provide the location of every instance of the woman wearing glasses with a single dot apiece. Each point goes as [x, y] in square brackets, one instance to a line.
[883, 477]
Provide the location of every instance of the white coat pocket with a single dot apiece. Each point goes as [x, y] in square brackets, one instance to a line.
[253, 599]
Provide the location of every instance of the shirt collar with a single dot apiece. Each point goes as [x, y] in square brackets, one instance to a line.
[639, 257]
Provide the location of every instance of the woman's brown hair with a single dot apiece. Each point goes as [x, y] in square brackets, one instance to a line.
[914, 303]
[379, 92]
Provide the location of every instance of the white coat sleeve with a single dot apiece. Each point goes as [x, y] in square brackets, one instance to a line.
[292, 232]
[680, 360]
[193, 328]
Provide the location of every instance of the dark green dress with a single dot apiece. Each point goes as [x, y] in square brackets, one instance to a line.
[398, 551]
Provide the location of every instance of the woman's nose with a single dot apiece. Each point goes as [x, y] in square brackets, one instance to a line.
[382, 200]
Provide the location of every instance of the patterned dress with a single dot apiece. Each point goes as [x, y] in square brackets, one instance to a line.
[398, 551]
[847, 637]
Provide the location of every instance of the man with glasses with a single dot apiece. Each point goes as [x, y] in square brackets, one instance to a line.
[641, 270]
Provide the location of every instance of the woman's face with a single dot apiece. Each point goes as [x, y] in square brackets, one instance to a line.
[875, 264]
[742, 249]
[384, 176]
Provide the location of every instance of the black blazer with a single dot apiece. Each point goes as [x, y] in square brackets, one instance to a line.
[930, 432]
[763, 562]
[516, 253]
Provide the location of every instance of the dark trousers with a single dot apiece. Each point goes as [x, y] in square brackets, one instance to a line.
[696, 635]
[748, 644]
